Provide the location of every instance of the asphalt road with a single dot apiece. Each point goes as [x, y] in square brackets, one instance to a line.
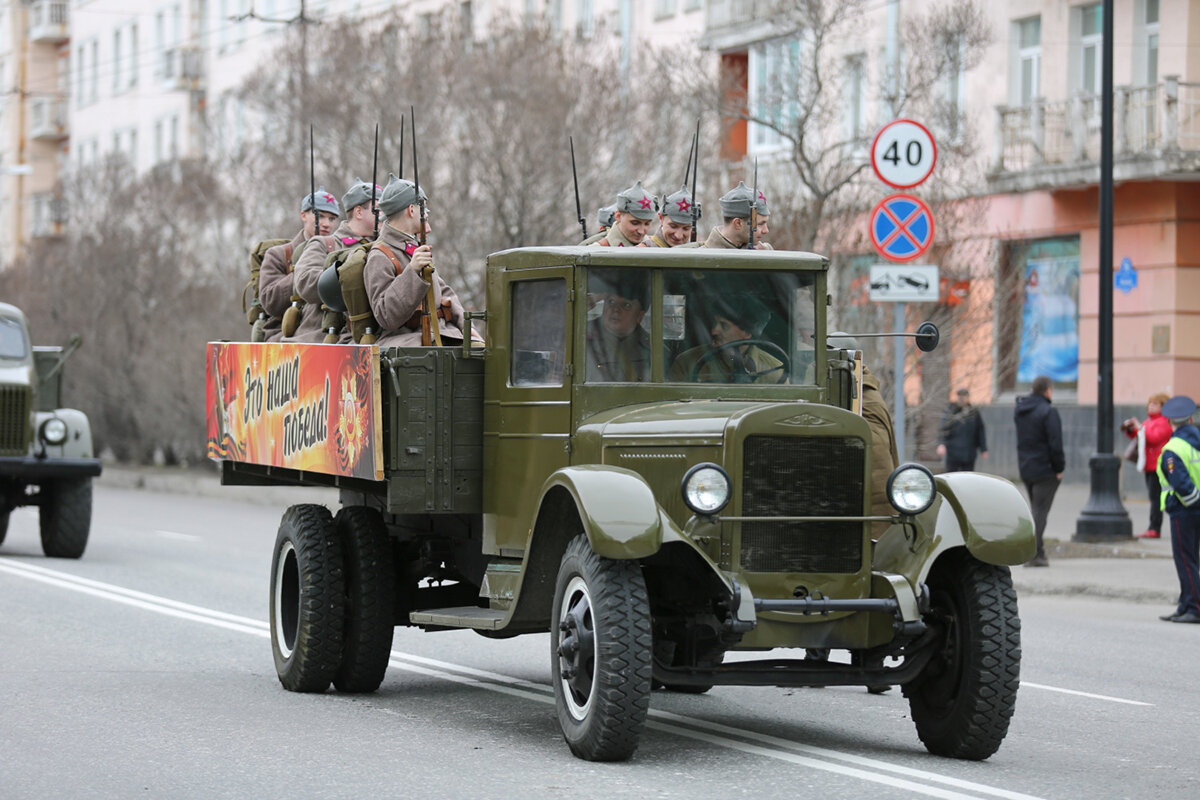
[144, 670]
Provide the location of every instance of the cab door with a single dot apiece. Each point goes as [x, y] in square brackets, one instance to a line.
[527, 413]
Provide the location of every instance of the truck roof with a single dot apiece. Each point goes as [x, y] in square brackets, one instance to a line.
[675, 257]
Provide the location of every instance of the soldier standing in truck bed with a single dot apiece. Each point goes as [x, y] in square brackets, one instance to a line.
[399, 271]
[632, 219]
[762, 213]
[604, 217]
[358, 226]
[675, 219]
[275, 284]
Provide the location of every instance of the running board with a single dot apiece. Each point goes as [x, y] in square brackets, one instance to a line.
[487, 619]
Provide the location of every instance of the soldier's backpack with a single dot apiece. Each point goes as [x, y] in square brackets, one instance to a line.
[250, 304]
[349, 263]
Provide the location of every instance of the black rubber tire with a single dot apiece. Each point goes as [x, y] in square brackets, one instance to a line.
[308, 600]
[4, 515]
[963, 700]
[600, 653]
[65, 517]
[370, 599]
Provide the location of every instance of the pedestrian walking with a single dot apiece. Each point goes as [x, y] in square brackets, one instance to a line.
[962, 435]
[1148, 440]
[1179, 472]
[1041, 457]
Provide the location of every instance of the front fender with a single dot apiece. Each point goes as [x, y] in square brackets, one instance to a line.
[617, 509]
[78, 443]
[993, 519]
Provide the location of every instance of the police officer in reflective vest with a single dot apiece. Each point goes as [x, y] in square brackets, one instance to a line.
[1179, 475]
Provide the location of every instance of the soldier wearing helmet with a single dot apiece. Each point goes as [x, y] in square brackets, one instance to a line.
[275, 279]
[399, 272]
[358, 226]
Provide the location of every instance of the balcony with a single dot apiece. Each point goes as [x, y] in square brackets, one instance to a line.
[47, 119]
[48, 21]
[731, 24]
[1056, 144]
[49, 218]
[182, 69]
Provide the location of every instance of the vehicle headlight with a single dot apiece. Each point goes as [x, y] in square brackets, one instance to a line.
[910, 488]
[706, 488]
[54, 431]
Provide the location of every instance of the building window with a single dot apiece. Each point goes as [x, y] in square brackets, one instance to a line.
[116, 60]
[95, 72]
[692, 5]
[1091, 45]
[133, 54]
[1029, 60]
[854, 108]
[664, 8]
[173, 138]
[585, 22]
[1148, 72]
[80, 73]
[774, 92]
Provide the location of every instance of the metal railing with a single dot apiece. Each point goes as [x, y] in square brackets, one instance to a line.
[1148, 121]
[48, 20]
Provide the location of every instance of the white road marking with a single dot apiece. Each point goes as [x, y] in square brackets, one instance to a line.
[183, 537]
[1029, 685]
[747, 741]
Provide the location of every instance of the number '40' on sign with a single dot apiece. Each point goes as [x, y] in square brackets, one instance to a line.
[903, 154]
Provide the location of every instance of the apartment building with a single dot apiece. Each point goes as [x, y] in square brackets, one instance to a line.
[1034, 103]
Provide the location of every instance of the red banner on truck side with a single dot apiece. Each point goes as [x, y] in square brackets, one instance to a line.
[311, 407]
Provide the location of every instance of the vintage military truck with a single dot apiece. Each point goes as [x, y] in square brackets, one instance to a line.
[46, 456]
[648, 458]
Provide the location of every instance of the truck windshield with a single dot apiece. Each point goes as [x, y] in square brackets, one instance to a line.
[718, 326]
[12, 339]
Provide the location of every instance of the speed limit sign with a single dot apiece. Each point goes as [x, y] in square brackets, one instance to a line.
[903, 153]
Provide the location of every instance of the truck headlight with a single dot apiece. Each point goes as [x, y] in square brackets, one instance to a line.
[54, 431]
[910, 488]
[706, 488]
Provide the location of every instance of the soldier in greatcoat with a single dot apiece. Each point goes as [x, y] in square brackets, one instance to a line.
[734, 232]
[604, 217]
[357, 227]
[762, 230]
[678, 214]
[632, 220]
[275, 278]
[399, 272]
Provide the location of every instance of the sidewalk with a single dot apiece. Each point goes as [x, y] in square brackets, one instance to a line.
[1138, 570]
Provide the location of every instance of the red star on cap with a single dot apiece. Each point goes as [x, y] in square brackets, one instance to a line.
[684, 205]
[328, 198]
[645, 202]
[762, 197]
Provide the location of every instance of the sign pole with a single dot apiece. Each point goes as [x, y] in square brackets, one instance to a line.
[898, 380]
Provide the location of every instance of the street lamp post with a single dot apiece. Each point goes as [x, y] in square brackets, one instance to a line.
[1104, 518]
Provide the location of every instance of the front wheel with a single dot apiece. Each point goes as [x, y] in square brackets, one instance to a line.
[66, 517]
[601, 647]
[370, 599]
[963, 700]
[308, 600]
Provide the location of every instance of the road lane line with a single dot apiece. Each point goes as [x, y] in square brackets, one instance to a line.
[728, 737]
[1085, 694]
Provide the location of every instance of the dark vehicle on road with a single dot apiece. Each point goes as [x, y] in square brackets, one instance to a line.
[46, 456]
[645, 460]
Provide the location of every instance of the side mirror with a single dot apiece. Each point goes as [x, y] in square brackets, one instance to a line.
[927, 337]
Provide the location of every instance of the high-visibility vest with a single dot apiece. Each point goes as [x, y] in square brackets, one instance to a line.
[1191, 459]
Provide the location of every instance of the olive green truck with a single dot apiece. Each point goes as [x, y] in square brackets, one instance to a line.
[46, 455]
[653, 456]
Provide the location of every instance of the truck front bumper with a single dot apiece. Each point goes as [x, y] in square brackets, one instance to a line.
[35, 470]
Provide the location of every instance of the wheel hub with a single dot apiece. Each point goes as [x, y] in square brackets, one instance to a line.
[577, 648]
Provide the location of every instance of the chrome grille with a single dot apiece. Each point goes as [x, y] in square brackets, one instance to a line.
[14, 420]
[802, 477]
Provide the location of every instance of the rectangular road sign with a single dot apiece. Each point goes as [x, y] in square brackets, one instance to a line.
[904, 283]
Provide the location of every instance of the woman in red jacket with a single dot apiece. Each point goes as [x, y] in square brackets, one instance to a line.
[1151, 435]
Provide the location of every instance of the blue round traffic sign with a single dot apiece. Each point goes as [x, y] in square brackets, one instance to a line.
[901, 227]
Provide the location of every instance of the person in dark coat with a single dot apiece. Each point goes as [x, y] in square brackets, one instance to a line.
[1040, 452]
[1179, 474]
[962, 434]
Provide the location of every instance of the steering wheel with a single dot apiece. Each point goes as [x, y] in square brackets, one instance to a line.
[784, 369]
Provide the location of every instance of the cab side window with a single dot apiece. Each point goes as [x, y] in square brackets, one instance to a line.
[539, 332]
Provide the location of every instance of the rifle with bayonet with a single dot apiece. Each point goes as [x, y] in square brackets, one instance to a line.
[291, 317]
[575, 177]
[695, 173]
[429, 325]
[754, 206]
